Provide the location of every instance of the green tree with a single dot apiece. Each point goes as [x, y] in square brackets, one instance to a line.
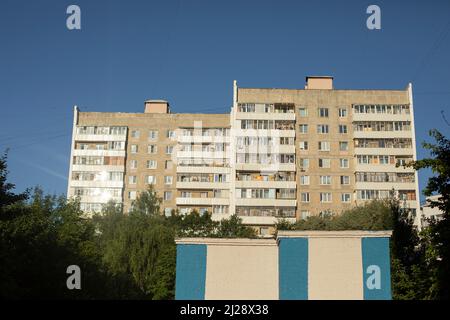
[439, 163]
[147, 203]
[7, 196]
[411, 272]
[233, 228]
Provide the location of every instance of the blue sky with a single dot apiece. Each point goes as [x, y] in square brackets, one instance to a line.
[189, 52]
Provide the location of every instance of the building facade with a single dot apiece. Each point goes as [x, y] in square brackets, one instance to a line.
[279, 153]
[428, 213]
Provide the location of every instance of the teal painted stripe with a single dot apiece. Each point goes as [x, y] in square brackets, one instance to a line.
[190, 272]
[376, 269]
[293, 268]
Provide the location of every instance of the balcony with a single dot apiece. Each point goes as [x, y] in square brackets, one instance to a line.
[386, 151]
[204, 154]
[382, 134]
[255, 220]
[385, 185]
[202, 201]
[264, 133]
[100, 137]
[266, 167]
[381, 117]
[255, 202]
[266, 184]
[381, 168]
[96, 184]
[203, 139]
[100, 153]
[265, 116]
[202, 169]
[97, 167]
[202, 185]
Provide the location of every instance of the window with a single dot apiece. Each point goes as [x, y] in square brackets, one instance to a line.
[133, 164]
[303, 128]
[168, 164]
[305, 214]
[135, 133]
[152, 148]
[246, 107]
[324, 146]
[132, 179]
[342, 112]
[324, 163]
[346, 197]
[325, 180]
[343, 128]
[168, 180]
[150, 180]
[132, 195]
[325, 213]
[322, 128]
[384, 159]
[325, 197]
[151, 164]
[343, 146]
[323, 112]
[304, 197]
[167, 195]
[134, 148]
[344, 163]
[169, 149]
[304, 163]
[268, 108]
[303, 145]
[263, 231]
[170, 134]
[167, 212]
[345, 180]
[153, 135]
[303, 112]
[304, 180]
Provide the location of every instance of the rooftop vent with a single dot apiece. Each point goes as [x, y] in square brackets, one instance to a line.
[319, 82]
[156, 106]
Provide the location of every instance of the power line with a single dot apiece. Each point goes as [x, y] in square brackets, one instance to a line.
[31, 134]
[439, 40]
[443, 117]
[39, 142]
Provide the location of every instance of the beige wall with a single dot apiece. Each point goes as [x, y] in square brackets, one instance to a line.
[245, 270]
[335, 269]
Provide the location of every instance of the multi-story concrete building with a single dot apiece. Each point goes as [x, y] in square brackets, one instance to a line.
[428, 213]
[280, 153]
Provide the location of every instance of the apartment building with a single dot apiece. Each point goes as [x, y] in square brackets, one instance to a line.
[279, 153]
[184, 156]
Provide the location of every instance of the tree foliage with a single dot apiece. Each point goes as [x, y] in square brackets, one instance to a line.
[411, 265]
[121, 256]
[438, 233]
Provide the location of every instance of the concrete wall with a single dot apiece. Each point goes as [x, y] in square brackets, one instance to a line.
[298, 265]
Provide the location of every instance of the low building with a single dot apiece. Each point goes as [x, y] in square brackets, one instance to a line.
[297, 265]
[427, 213]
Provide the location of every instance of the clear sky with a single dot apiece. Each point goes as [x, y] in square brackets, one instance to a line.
[189, 52]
